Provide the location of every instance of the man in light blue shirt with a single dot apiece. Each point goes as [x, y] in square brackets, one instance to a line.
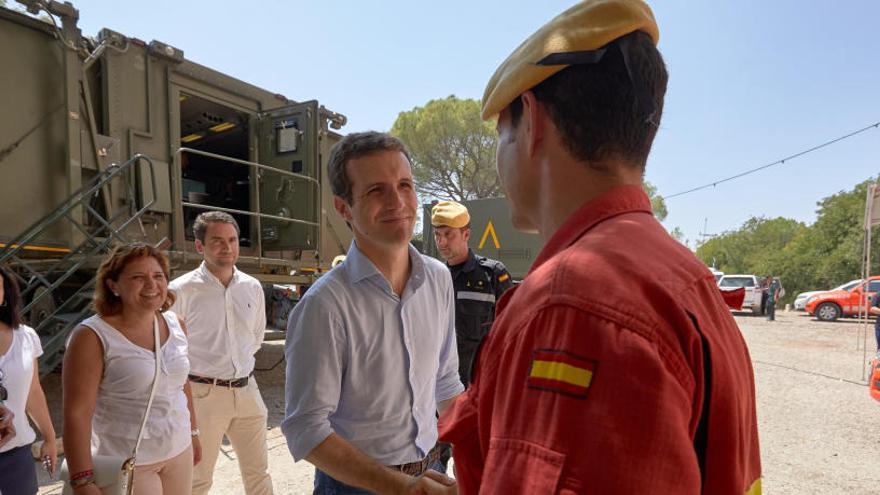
[371, 353]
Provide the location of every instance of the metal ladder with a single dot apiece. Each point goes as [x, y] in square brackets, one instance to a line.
[40, 279]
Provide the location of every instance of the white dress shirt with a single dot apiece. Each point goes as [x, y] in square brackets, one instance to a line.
[226, 324]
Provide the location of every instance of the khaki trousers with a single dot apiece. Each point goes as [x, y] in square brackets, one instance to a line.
[169, 477]
[240, 414]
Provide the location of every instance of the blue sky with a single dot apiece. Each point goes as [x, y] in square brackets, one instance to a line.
[750, 81]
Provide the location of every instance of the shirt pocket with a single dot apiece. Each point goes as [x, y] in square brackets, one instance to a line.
[526, 467]
[245, 309]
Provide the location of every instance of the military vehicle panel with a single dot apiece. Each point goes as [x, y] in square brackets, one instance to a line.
[112, 139]
[492, 235]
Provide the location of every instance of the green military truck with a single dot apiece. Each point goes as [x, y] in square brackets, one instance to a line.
[112, 139]
[492, 236]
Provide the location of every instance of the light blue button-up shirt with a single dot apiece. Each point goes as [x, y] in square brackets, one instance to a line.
[369, 365]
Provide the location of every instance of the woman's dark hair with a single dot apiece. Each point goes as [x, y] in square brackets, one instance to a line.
[10, 311]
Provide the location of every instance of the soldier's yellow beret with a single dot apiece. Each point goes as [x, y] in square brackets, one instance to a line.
[449, 214]
[585, 27]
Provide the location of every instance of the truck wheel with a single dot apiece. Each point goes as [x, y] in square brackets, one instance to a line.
[42, 310]
[828, 311]
[756, 311]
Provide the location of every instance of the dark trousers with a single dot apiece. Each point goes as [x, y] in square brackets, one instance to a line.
[877, 335]
[17, 473]
[325, 485]
[771, 310]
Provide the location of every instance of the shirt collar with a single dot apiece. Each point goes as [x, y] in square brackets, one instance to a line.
[467, 265]
[359, 267]
[210, 276]
[623, 199]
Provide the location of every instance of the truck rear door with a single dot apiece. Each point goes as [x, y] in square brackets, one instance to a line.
[288, 142]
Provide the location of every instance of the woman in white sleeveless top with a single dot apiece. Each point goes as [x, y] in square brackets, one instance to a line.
[105, 398]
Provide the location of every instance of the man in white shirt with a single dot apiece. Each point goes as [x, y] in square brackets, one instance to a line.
[224, 311]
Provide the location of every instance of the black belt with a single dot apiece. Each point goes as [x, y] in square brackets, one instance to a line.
[234, 383]
[418, 468]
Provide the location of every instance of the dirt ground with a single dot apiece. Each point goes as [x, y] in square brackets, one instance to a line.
[817, 422]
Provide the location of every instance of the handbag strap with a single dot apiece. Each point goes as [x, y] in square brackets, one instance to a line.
[157, 351]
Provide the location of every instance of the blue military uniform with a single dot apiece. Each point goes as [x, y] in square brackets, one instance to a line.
[478, 283]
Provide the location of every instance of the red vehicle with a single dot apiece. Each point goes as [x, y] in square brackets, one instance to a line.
[831, 305]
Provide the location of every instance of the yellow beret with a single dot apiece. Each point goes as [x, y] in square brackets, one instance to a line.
[587, 26]
[449, 214]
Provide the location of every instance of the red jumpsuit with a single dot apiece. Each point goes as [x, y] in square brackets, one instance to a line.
[615, 367]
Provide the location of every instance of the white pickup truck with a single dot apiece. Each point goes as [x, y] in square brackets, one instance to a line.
[753, 289]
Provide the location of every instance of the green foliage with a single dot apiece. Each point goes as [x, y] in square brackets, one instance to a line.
[453, 152]
[819, 256]
[658, 205]
[452, 149]
[678, 235]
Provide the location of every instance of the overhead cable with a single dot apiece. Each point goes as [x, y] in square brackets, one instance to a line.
[777, 162]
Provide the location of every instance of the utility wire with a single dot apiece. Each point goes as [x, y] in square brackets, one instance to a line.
[777, 162]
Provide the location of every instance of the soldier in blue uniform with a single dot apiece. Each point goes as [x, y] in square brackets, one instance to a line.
[478, 281]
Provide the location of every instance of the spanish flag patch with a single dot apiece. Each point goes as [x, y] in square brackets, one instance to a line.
[559, 371]
[503, 277]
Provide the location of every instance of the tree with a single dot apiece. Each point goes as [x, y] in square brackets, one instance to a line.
[453, 152]
[819, 256]
[452, 149]
[678, 235]
[658, 204]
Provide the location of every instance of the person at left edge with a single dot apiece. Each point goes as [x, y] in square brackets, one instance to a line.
[370, 348]
[20, 395]
[225, 312]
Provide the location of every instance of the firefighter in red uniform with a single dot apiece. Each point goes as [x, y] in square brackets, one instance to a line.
[615, 367]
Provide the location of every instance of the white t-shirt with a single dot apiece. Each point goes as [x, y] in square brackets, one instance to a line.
[18, 372]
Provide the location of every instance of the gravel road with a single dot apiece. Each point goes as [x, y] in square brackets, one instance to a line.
[815, 415]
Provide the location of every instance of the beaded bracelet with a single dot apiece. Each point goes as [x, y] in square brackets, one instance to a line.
[82, 474]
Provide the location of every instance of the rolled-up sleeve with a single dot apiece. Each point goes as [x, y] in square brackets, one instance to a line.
[448, 381]
[314, 352]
